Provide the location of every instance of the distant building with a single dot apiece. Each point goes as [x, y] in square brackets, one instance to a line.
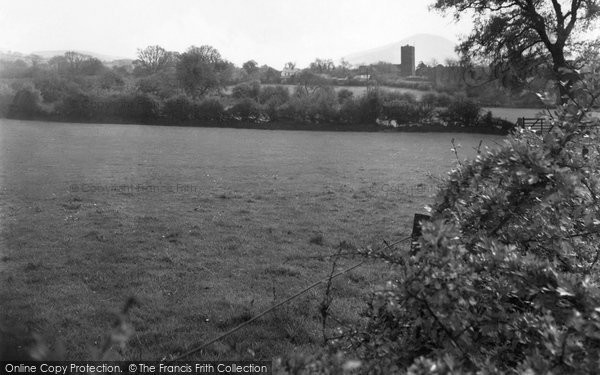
[287, 73]
[364, 73]
[407, 59]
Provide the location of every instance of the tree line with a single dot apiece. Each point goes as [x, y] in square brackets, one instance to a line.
[200, 87]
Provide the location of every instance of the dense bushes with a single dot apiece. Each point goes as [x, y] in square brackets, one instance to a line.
[178, 108]
[249, 90]
[273, 94]
[403, 112]
[462, 112]
[317, 106]
[365, 109]
[26, 103]
[273, 97]
[6, 97]
[436, 100]
[183, 109]
[246, 110]
[76, 106]
[209, 110]
[140, 107]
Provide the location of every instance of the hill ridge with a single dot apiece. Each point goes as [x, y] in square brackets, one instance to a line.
[428, 47]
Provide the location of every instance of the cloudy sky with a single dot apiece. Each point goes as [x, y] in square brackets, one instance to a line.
[268, 31]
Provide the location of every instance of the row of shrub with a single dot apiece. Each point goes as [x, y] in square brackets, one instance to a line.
[252, 103]
[322, 104]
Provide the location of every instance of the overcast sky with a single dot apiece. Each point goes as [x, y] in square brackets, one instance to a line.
[269, 31]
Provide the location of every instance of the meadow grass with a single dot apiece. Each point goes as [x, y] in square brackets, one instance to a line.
[213, 227]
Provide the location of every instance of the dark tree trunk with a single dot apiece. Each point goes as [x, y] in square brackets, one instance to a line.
[565, 75]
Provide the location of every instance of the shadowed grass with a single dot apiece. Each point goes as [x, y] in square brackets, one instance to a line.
[267, 212]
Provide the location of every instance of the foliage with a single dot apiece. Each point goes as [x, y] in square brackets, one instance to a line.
[73, 63]
[54, 87]
[6, 97]
[250, 67]
[321, 66]
[519, 36]
[403, 112]
[268, 74]
[246, 110]
[432, 100]
[462, 112]
[14, 69]
[137, 107]
[308, 83]
[176, 84]
[76, 105]
[26, 103]
[369, 107]
[320, 363]
[153, 59]
[144, 107]
[507, 273]
[273, 97]
[344, 95]
[110, 79]
[161, 84]
[209, 110]
[278, 94]
[249, 90]
[200, 70]
[178, 108]
[315, 105]
[25, 346]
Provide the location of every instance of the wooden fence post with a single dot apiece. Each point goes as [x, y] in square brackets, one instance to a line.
[417, 232]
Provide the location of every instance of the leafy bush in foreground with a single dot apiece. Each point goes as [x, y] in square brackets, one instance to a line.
[507, 277]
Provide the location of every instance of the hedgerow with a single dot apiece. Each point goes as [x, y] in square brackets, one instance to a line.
[154, 100]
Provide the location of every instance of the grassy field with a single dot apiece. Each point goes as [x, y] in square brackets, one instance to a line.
[206, 227]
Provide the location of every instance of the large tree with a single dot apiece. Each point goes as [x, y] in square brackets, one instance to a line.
[153, 59]
[522, 34]
[322, 66]
[250, 67]
[201, 69]
[75, 63]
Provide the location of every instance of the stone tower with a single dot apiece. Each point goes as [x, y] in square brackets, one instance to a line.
[407, 58]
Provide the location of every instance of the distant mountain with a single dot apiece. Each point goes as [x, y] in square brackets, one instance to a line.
[428, 47]
[101, 57]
